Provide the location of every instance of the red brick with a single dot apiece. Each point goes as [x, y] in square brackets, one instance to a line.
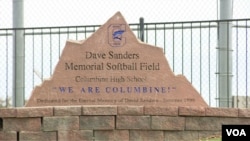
[167, 123]
[137, 135]
[161, 110]
[222, 112]
[61, 123]
[37, 136]
[75, 135]
[67, 110]
[97, 122]
[99, 110]
[130, 110]
[22, 124]
[112, 135]
[244, 112]
[8, 136]
[133, 122]
[191, 111]
[34, 111]
[7, 112]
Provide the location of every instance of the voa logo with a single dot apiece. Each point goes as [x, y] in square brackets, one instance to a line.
[236, 132]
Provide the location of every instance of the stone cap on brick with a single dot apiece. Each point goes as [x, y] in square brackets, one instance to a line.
[123, 110]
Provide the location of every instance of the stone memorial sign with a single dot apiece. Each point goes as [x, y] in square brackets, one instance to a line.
[112, 67]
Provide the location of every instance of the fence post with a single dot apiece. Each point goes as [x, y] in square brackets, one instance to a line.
[224, 65]
[142, 29]
[18, 54]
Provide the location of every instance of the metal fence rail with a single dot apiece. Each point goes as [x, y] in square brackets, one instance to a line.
[191, 49]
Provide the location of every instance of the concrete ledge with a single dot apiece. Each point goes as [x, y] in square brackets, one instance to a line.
[67, 111]
[123, 110]
[191, 111]
[222, 112]
[244, 112]
[160, 110]
[8, 112]
[130, 110]
[34, 111]
[99, 110]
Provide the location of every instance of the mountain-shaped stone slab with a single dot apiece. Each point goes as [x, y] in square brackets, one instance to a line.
[112, 67]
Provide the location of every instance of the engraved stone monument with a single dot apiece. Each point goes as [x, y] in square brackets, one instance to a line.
[112, 67]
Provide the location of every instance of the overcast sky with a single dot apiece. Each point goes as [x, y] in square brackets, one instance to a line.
[39, 13]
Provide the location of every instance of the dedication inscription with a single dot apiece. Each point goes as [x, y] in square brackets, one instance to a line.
[112, 67]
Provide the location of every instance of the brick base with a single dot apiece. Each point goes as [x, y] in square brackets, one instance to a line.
[116, 123]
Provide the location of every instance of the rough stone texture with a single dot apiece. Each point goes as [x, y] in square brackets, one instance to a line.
[112, 135]
[112, 67]
[99, 110]
[37, 136]
[209, 134]
[244, 121]
[97, 122]
[203, 123]
[137, 135]
[222, 112]
[8, 136]
[161, 110]
[181, 136]
[117, 127]
[167, 123]
[244, 112]
[133, 122]
[75, 135]
[34, 111]
[130, 110]
[191, 111]
[67, 111]
[7, 112]
[22, 124]
[212, 123]
[61, 123]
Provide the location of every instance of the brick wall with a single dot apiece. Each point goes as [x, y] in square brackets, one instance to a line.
[116, 123]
